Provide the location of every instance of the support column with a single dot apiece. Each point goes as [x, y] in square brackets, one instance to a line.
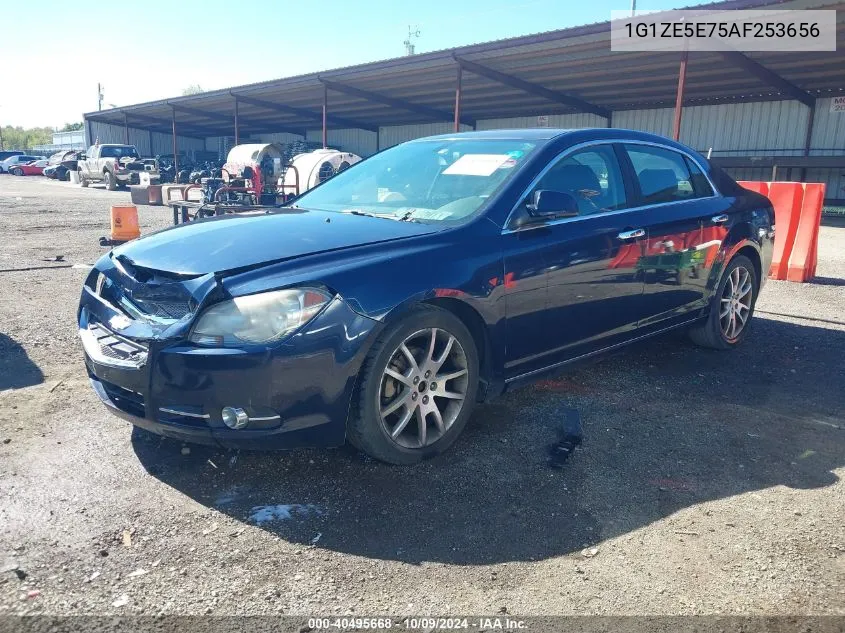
[458, 100]
[808, 138]
[175, 147]
[237, 135]
[125, 130]
[150, 136]
[679, 98]
[325, 116]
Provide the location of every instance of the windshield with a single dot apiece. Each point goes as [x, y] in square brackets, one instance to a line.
[429, 181]
[118, 151]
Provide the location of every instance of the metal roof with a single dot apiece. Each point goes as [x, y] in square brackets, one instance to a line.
[556, 72]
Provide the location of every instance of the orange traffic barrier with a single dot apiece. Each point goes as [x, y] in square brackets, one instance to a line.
[804, 255]
[755, 185]
[124, 223]
[786, 198]
[798, 210]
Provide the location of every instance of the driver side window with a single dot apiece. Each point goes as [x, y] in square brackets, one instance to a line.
[592, 176]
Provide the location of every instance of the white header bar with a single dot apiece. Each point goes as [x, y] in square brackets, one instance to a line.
[725, 30]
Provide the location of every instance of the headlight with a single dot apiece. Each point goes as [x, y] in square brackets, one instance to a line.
[259, 318]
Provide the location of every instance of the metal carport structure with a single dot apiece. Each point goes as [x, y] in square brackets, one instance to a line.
[566, 71]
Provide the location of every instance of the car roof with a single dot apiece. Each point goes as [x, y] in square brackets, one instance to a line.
[575, 135]
[527, 134]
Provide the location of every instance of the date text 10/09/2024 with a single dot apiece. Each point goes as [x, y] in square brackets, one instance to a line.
[418, 623]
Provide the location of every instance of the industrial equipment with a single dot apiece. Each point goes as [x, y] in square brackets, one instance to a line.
[315, 167]
[258, 176]
[253, 170]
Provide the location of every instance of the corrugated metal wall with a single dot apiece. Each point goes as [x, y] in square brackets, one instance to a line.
[564, 121]
[361, 142]
[763, 128]
[162, 143]
[395, 134]
[828, 131]
[834, 180]
[771, 128]
[655, 121]
[278, 137]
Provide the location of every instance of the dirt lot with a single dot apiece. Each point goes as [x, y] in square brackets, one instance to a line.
[707, 482]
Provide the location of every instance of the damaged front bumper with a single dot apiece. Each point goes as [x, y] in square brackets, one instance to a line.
[296, 393]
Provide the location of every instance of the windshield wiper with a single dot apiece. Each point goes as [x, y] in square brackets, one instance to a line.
[408, 216]
[389, 216]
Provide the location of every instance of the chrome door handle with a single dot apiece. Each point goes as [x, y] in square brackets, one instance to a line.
[629, 235]
[719, 219]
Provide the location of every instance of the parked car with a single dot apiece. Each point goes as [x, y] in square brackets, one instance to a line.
[382, 305]
[35, 168]
[115, 166]
[18, 159]
[4, 154]
[62, 163]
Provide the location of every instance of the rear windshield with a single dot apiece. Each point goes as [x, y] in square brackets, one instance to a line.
[118, 151]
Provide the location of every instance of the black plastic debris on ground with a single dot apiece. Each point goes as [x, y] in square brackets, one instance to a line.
[569, 437]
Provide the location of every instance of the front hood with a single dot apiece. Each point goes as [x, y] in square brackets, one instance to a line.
[245, 240]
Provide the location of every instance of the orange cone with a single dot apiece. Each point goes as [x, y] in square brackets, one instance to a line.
[124, 223]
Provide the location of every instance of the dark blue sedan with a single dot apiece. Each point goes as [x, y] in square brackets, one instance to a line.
[382, 305]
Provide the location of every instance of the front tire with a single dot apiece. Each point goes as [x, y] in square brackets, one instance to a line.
[17, 172]
[729, 320]
[418, 388]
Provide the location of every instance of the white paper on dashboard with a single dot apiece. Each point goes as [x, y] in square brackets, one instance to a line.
[476, 164]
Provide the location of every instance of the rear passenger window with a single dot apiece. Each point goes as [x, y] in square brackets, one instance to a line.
[666, 176]
[592, 176]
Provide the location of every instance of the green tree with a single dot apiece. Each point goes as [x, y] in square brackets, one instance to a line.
[21, 138]
[193, 89]
[72, 127]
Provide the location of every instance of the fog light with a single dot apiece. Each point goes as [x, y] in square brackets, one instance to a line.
[235, 418]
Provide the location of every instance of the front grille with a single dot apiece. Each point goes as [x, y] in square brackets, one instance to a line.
[116, 347]
[125, 399]
[146, 294]
[162, 308]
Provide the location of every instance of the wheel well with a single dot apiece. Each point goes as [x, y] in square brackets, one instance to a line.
[476, 326]
[751, 253]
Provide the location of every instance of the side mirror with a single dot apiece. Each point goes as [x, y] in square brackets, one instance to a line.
[547, 204]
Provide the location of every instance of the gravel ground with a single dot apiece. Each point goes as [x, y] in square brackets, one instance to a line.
[707, 483]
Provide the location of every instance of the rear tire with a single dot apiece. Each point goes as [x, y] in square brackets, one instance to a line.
[408, 410]
[729, 320]
[83, 181]
[110, 181]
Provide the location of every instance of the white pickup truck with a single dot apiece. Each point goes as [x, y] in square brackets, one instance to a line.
[116, 166]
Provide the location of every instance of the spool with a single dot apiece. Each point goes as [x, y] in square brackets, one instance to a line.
[124, 223]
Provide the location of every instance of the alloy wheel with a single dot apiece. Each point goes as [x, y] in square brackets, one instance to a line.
[423, 388]
[735, 306]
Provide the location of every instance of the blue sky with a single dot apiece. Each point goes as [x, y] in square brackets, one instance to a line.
[55, 53]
